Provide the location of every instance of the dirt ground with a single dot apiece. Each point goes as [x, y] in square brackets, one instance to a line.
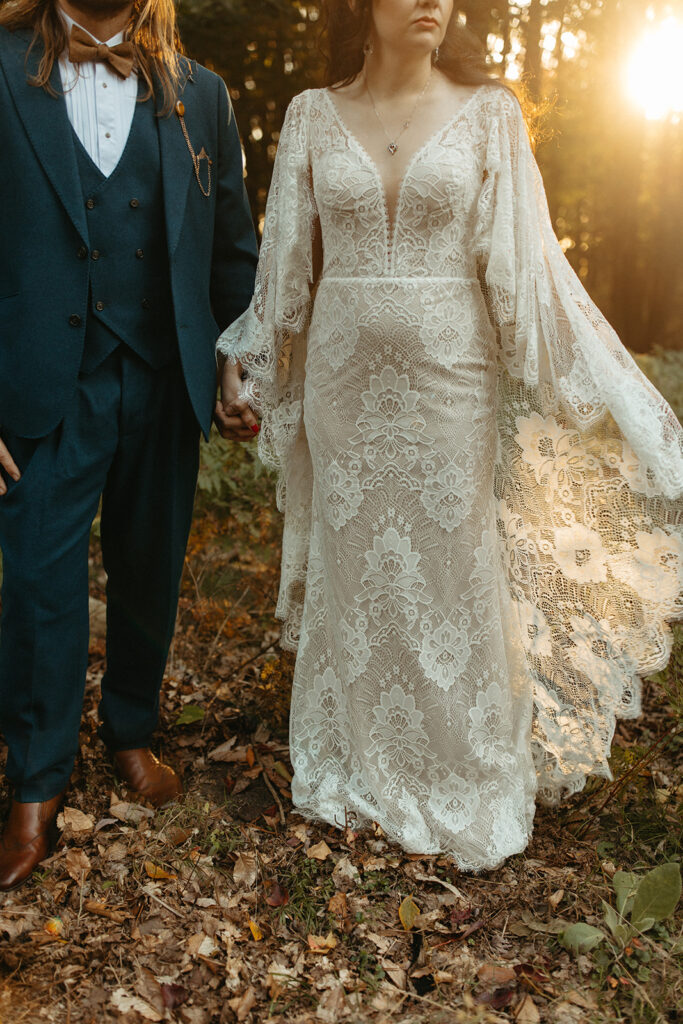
[230, 907]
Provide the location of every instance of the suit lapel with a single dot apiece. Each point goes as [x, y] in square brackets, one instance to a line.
[176, 166]
[46, 123]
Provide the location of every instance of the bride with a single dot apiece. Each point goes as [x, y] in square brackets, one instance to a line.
[483, 528]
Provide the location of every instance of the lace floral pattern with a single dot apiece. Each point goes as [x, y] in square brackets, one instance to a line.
[483, 527]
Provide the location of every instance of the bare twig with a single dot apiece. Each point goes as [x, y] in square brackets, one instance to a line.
[165, 905]
[272, 789]
[619, 784]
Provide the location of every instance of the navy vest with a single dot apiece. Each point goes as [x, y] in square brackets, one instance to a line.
[130, 287]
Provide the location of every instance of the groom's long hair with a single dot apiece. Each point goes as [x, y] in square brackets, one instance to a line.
[152, 30]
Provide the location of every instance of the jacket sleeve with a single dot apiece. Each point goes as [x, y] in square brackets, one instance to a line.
[235, 249]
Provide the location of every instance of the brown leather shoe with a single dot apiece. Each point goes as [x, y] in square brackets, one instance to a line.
[29, 837]
[147, 776]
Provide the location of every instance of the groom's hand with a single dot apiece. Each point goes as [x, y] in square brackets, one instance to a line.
[233, 416]
[8, 466]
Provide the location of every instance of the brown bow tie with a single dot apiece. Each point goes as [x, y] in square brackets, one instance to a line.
[83, 48]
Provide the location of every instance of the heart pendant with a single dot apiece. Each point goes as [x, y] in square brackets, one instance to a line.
[392, 147]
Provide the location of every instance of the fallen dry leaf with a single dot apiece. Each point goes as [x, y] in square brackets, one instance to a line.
[374, 863]
[345, 873]
[277, 897]
[408, 913]
[255, 930]
[321, 943]
[75, 821]
[493, 974]
[77, 865]
[331, 1006]
[320, 851]
[158, 874]
[129, 812]
[178, 836]
[526, 1012]
[102, 910]
[241, 1005]
[219, 753]
[439, 881]
[125, 1003]
[587, 1000]
[174, 995]
[339, 905]
[395, 973]
[555, 899]
[201, 945]
[239, 785]
[245, 871]
[282, 771]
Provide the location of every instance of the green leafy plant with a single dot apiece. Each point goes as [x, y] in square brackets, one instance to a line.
[642, 901]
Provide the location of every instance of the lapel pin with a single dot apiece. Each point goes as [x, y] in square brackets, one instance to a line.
[196, 160]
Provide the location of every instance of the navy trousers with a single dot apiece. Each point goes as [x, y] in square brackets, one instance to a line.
[130, 437]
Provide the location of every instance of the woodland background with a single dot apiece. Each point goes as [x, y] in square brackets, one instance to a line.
[228, 907]
[613, 177]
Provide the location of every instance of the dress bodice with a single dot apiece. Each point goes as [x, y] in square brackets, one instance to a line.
[431, 232]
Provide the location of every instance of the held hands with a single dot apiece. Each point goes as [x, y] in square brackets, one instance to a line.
[8, 466]
[233, 416]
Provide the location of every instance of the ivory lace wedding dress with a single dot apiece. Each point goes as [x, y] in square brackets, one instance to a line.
[482, 540]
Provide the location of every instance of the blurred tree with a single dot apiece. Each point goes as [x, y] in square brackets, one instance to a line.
[612, 177]
[267, 52]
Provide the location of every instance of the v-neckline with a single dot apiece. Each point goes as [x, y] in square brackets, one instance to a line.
[391, 224]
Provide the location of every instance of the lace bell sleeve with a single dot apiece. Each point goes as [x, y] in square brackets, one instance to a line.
[588, 476]
[551, 334]
[269, 338]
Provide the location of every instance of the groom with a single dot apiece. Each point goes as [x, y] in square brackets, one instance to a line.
[126, 246]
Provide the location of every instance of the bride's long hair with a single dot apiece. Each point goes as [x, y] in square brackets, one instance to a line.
[152, 30]
[462, 58]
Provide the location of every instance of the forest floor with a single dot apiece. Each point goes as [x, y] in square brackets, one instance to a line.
[228, 906]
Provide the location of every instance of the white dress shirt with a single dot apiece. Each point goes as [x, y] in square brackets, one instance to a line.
[100, 104]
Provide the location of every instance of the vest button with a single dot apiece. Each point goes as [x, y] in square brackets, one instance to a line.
[75, 320]
[90, 204]
[95, 254]
[134, 203]
[82, 252]
[146, 303]
[99, 306]
[139, 254]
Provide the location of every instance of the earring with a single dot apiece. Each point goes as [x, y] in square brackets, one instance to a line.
[368, 48]
[436, 55]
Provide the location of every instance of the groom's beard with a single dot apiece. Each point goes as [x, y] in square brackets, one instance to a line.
[100, 8]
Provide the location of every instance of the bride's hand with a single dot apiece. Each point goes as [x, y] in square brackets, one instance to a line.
[233, 416]
[8, 466]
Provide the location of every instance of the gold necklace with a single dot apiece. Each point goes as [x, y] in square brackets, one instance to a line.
[392, 148]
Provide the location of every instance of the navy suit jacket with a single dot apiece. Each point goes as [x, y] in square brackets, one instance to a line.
[43, 283]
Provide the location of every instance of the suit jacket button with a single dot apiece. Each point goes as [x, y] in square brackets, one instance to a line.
[139, 254]
[99, 306]
[75, 320]
[134, 203]
[95, 254]
[82, 252]
[90, 204]
[146, 303]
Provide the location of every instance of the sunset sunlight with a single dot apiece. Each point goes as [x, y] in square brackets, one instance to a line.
[654, 72]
